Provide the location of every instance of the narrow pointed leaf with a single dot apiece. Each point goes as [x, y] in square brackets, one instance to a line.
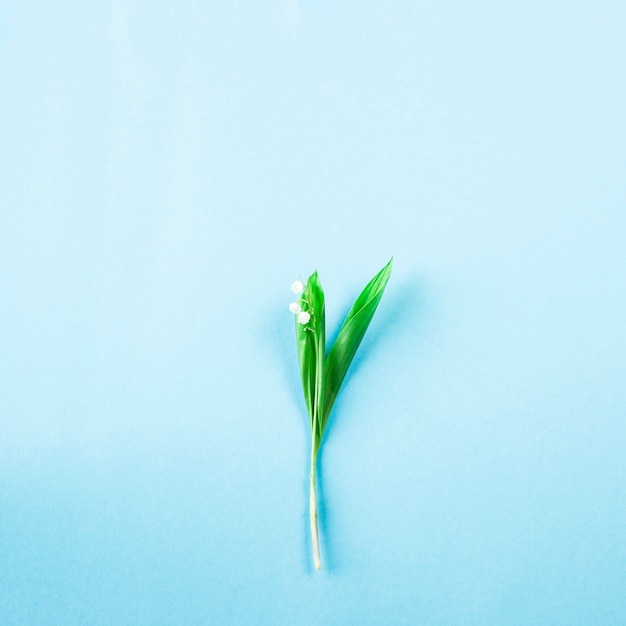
[350, 336]
[311, 345]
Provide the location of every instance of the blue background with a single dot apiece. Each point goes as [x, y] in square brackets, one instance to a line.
[168, 169]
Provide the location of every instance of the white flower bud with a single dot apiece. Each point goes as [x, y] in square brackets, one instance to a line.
[294, 307]
[297, 286]
[304, 317]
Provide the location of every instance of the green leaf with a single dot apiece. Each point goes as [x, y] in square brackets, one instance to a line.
[311, 339]
[350, 336]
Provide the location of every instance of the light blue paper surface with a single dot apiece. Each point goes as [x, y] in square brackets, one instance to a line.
[167, 170]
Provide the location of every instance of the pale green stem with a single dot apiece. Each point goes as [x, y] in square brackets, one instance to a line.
[315, 542]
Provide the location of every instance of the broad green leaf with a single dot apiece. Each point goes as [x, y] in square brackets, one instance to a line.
[311, 340]
[350, 336]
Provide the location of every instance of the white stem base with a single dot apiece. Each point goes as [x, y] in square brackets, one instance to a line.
[313, 515]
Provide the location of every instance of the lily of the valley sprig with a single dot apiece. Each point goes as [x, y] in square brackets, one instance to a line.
[323, 372]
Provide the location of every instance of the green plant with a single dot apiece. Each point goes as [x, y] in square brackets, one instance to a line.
[323, 373]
